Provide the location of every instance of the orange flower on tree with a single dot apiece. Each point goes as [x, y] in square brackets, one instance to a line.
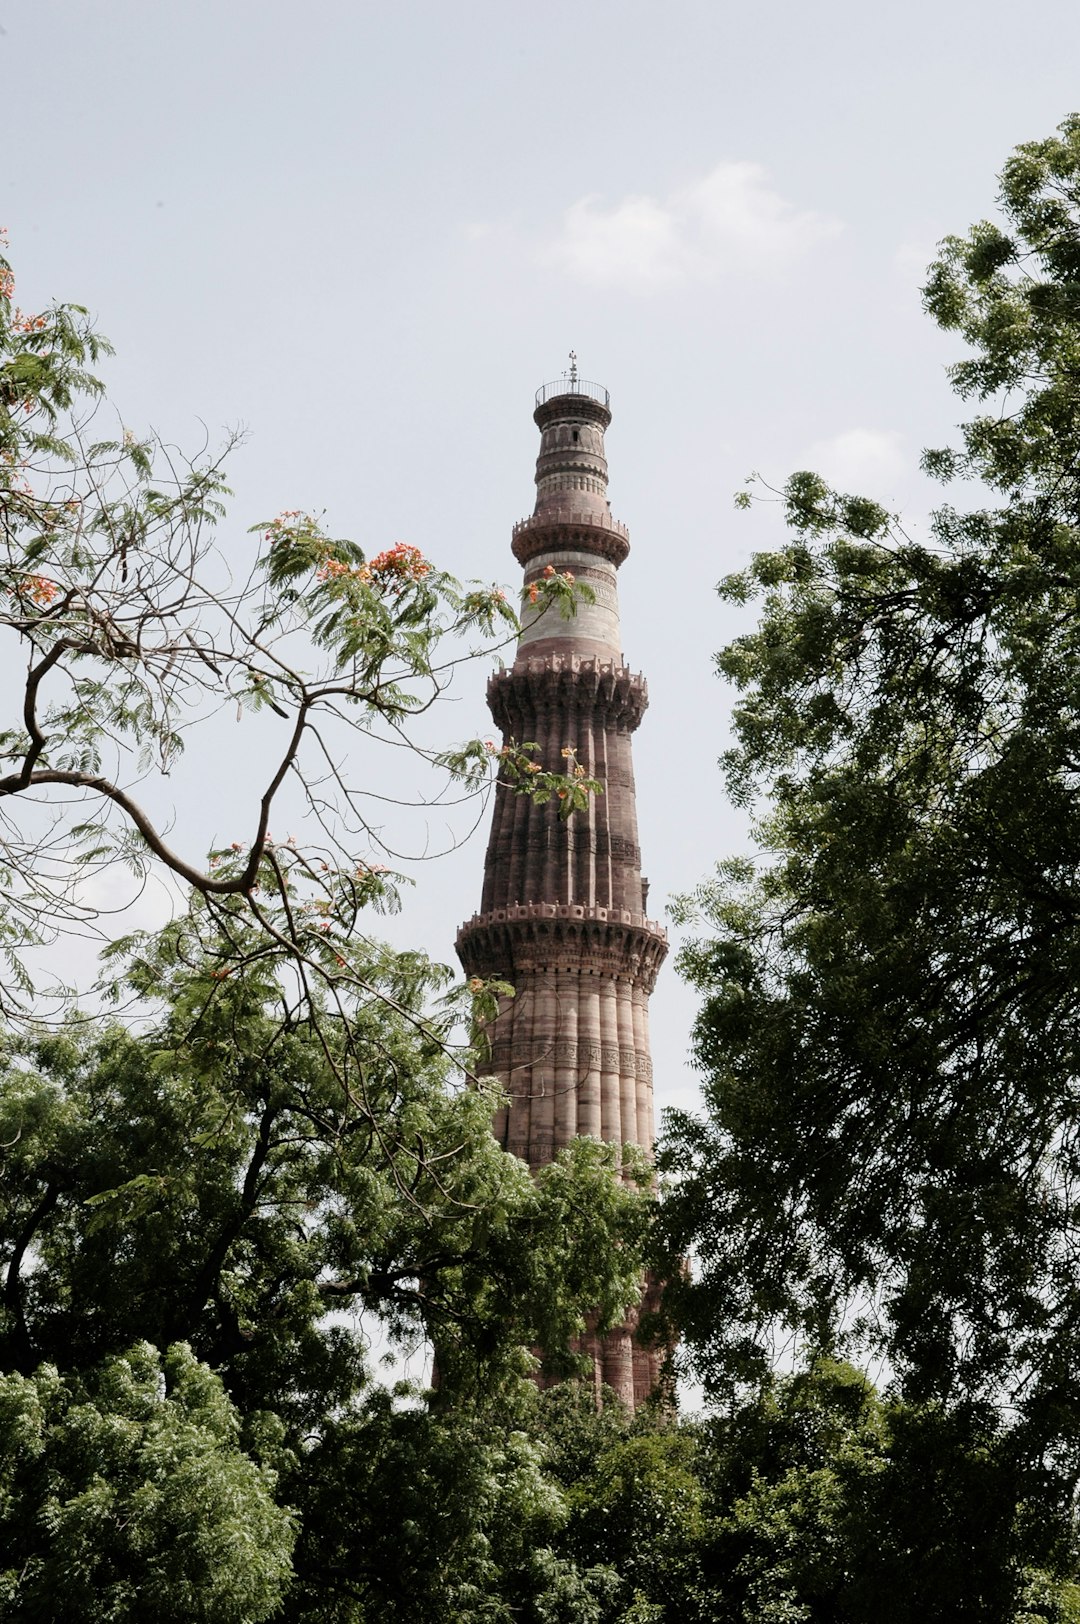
[281, 527]
[399, 566]
[28, 324]
[38, 588]
[550, 574]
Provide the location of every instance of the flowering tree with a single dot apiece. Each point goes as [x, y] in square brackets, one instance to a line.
[207, 1220]
[132, 630]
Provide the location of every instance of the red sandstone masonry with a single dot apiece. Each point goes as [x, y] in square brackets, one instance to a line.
[563, 917]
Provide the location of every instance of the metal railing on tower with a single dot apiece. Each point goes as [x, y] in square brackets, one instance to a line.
[570, 385]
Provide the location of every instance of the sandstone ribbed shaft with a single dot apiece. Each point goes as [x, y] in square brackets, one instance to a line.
[563, 915]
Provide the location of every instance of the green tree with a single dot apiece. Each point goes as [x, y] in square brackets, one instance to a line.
[826, 1503]
[634, 1503]
[126, 1495]
[890, 1009]
[208, 1183]
[811, 1500]
[207, 1217]
[131, 632]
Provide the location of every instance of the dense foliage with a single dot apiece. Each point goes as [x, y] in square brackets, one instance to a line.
[206, 1188]
[211, 1221]
[125, 1495]
[214, 1216]
[890, 1026]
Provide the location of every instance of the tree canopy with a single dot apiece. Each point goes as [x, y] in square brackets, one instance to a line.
[216, 1211]
[208, 1215]
[131, 631]
[891, 992]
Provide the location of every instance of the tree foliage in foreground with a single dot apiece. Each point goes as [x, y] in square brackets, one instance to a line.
[124, 1494]
[207, 1188]
[812, 1501]
[134, 636]
[207, 1218]
[203, 1188]
[890, 1025]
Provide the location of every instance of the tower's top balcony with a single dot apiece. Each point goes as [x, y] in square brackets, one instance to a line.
[571, 384]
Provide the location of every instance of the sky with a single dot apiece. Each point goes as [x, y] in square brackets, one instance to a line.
[366, 233]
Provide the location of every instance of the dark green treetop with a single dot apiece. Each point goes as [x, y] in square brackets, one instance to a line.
[890, 1022]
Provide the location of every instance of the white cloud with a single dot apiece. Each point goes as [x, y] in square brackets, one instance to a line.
[122, 902]
[866, 462]
[94, 908]
[728, 221]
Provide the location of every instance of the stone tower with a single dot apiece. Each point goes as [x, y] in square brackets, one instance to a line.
[563, 912]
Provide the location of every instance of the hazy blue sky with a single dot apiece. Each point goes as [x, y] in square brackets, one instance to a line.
[368, 232]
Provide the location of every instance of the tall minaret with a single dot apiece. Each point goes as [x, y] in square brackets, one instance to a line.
[563, 912]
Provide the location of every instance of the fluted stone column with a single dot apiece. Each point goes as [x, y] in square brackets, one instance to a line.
[563, 917]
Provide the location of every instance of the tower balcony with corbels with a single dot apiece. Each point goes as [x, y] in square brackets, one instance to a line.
[575, 528]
